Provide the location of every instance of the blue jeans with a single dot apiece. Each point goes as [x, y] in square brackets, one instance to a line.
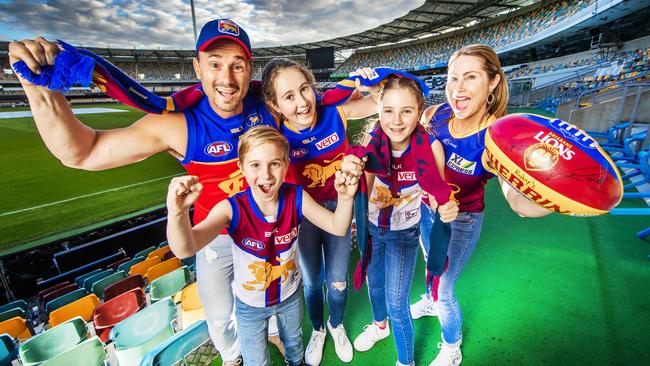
[324, 257]
[465, 232]
[252, 323]
[390, 274]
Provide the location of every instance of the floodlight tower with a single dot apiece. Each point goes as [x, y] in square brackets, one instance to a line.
[193, 19]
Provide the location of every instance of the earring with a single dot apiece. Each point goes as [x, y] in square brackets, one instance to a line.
[491, 98]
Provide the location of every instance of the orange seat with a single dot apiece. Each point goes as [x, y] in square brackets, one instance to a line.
[190, 305]
[83, 307]
[16, 327]
[142, 267]
[160, 252]
[163, 268]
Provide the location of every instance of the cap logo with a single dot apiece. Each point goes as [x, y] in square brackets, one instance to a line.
[228, 27]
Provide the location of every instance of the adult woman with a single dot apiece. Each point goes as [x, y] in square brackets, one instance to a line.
[477, 94]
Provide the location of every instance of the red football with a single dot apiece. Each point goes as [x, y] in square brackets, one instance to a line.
[553, 163]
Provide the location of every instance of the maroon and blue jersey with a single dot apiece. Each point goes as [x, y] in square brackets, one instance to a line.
[265, 251]
[211, 152]
[316, 152]
[464, 170]
[395, 200]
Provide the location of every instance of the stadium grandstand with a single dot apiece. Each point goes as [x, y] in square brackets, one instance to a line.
[76, 245]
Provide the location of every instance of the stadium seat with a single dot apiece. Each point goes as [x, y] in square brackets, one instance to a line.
[144, 253]
[83, 308]
[17, 328]
[50, 289]
[65, 300]
[21, 304]
[162, 244]
[117, 309]
[175, 349]
[190, 262]
[12, 313]
[122, 286]
[190, 305]
[126, 266]
[142, 331]
[100, 286]
[142, 267]
[160, 252]
[169, 284]
[59, 292]
[8, 350]
[53, 342]
[80, 280]
[90, 281]
[114, 266]
[90, 352]
[162, 269]
[168, 255]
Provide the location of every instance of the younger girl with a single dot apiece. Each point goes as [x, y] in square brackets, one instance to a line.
[317, 139]
[263, 222]
[394, 215]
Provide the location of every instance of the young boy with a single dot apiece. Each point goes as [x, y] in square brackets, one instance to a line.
[263, 223]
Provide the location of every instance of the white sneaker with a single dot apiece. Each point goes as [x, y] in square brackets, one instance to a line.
[341, 342]
[448, 356]
[424, 307]
[314, 351]
[371, 335]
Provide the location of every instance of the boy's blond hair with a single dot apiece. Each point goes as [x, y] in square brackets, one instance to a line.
[257, 136]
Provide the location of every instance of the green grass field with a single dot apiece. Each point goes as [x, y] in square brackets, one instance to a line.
[33, 177]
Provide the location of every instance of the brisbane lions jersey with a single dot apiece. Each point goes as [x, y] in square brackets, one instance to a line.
[395, 200]
[211, 153]
[316, 152]
[265, 251]
[464, 170]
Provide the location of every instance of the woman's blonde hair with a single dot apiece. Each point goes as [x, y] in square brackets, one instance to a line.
[492, 66]
[260, 135]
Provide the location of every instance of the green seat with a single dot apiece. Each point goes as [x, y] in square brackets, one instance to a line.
[175, 348]
[53, 342]
[12, 313]
[90, 281]
[21, 304]
[142, 331]
[90, 352]
[80, 280]
[144, 252]
[169, 284]
[65, 300]
[126, 266]
[100, 286]
[8, 349]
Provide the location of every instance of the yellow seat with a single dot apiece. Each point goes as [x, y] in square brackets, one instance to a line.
[16, 327]
[160, 252]
[142, 267]
[83, 307]
[190, 305]
[162, 268]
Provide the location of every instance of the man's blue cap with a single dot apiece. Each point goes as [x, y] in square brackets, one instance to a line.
[223, 29]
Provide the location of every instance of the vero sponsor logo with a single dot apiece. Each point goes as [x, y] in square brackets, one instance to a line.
[406, 176]
[286, 238]
[218, 149]
[327, 141]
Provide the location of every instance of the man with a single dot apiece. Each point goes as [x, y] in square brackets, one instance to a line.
[203, 138]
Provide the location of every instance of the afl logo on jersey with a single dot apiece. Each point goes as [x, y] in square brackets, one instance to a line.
[218, 149]
[253, 244]
[298, 153]
[254, 119]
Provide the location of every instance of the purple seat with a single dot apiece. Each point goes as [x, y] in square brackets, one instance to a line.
[122, 286]
[51, 288]
[59, 292]
[117, 263]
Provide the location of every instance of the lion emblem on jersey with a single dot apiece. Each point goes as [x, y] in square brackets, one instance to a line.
[384, 198]
[265, 273]
[320, 174]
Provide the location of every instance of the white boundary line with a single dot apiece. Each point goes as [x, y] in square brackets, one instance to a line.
[86, 195]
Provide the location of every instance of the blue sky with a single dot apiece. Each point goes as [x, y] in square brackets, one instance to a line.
[167, 24]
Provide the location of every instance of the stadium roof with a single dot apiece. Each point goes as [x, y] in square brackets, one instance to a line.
[432, 18]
